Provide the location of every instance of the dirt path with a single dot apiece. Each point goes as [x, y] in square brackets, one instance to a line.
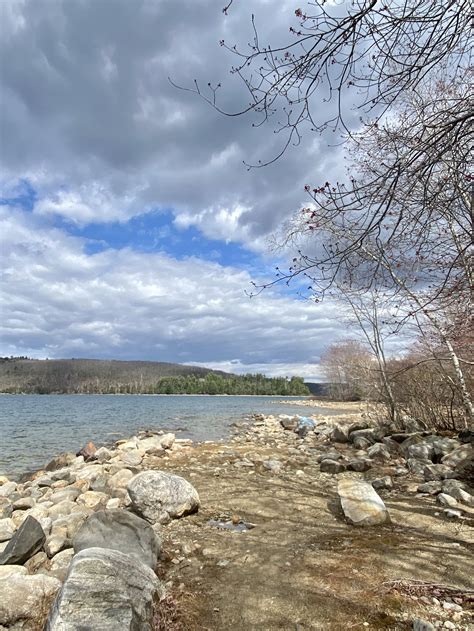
[302, 566]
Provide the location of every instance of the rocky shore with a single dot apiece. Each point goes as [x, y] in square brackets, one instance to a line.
[295, 523]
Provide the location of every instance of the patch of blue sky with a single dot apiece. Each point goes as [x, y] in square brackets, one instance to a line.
[156, 232]
[23, 195]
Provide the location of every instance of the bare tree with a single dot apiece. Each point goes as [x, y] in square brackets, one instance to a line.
[364, 53]
[347, 366]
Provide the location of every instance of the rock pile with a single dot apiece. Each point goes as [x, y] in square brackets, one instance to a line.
[86, 527]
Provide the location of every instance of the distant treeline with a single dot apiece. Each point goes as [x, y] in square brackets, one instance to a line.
[87, 376]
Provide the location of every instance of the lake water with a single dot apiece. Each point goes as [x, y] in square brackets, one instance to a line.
[35, 428]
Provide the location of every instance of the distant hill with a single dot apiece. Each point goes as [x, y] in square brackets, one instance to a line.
[89, 376]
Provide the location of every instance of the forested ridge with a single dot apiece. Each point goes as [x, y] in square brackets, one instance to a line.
[91, 376]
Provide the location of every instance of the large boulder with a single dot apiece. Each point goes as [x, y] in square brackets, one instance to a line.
[361, 504]
[453, 458]
[159, 497]
[26, 541]
[120, 530]
[105, 590]
[25, 599]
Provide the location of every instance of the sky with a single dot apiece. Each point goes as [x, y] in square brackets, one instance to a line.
[130, 226]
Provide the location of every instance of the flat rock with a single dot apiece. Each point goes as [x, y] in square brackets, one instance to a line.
[120, 530]
[159, 497]
[26, 597]
[105, 590]
[361, 504]
[26, 541]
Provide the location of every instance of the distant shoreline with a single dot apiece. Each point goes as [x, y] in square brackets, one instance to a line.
[127, 394]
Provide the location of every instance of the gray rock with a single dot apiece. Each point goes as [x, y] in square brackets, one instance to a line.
[159, 497]
[105, 590]
[456, 456]
[465, 470]
[120, 530]
[56, 543]
[368, 435]
[289, 423]
[275, 466]
[8, 570]
[37, 561]
[7, 489]
[103, 454]
[69, 525]
[331, 466]
[120, 479]
[7, 528]
[432, 488]
[379, 452]
[24, 503]
[330, 455]
[360, 442]
[27, 540]
[422, 625]
[362, 506]
[359, 464]
[354, 427]
[421, 451]
[392, 446]
[167, 441]
[383, 483]
[442, 445]
[70, 493]
[446, 500]
[6, 509]
[27, 599]
[61, 461]
[417, 466]
[452, 487]
[437, 472]
[131, 458]
[340, 434]
[409, 440]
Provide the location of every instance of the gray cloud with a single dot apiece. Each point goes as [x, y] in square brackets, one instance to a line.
[89, 115]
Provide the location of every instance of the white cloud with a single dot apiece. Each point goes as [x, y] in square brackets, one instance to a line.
[59, 302]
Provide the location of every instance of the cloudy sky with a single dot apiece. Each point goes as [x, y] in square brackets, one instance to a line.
[131, 228]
